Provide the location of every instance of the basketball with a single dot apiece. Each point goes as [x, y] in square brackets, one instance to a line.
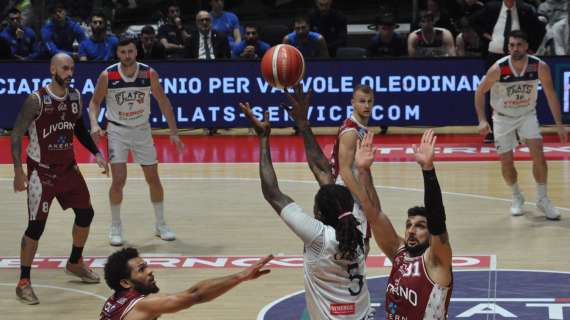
[283, 66]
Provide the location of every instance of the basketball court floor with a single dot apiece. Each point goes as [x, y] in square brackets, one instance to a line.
[505, 267]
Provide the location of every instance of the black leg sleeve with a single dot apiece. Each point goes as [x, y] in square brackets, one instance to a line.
[434, 203]
[84, 137]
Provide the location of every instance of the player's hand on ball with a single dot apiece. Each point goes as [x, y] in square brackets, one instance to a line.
[262, 128]
[484, 128]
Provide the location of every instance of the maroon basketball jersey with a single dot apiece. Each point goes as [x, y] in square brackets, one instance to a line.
[51, 132]
[411, 294]
[118, 305]
[347, 125]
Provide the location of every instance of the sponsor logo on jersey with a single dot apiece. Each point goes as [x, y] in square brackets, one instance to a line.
[129, 96]
[342, 308]
[62, 143]
[409, 294]
[62, 125]
[47, 99]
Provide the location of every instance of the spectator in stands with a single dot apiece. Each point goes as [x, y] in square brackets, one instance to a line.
[386, 43]
[553, 10]
[494, 22]
[225, 21]
[429, 41]
[100, 46]
[311, 44]
[61, 33]
[173, 34]
[330, 23]
[21, 39]
[250, 47]
[148, 47]
[440, 17]
[468, 43]
[561, 35]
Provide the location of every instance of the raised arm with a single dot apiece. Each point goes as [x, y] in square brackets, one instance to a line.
[318, 162]
[204, 291]
[269, 185]
[489, 80]
[553, 102]
[165, 108]
[439, 253]
[27, 114]
[382, 229]
[95, 106]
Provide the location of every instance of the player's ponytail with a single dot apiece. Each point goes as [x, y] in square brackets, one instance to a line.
[334, 204]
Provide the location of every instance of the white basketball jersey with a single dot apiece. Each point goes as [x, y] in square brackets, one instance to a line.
[515, 94]
[335, 288]
[128, 99]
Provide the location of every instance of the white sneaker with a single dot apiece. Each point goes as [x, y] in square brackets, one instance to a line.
[116, 235]
[164, 232]
[517, 205]
[546, 206]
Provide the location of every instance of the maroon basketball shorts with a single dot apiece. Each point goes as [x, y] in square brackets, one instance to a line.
[63, 182]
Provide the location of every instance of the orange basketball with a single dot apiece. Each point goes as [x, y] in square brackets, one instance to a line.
[283, 66]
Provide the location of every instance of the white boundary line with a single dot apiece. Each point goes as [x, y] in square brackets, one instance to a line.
[87, 293]
[265, 309]
[459, 194]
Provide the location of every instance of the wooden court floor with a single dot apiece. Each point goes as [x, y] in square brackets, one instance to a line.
[218, 210]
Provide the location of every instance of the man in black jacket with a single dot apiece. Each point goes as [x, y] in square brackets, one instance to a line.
[205, 43]
[496, 20]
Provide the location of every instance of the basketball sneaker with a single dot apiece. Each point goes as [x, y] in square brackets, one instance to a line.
[25, 292]
[116, 235]
[546, 206]
[81, 271]
[517, 205]
[164, 232]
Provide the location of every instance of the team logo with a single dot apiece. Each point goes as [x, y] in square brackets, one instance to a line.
[129, 97]
[62, 107]
[47, 99]
[477, 295]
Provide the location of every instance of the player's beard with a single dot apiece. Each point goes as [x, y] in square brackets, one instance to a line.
[59, 80]
[418, 249]
[145, 289]
[518, 56]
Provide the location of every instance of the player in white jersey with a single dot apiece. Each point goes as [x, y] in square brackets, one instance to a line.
[513, 81]
[335, 282]
[127, 86]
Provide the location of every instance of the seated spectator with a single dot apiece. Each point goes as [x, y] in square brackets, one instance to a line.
[205, 43]
[560, 33]
[386, 43]
[100, 46]
[225, 22]
[62, 34]
[330, 23]
[251, 47]
[553, 10]
[429, 41]
[468, 43]
[21, 39]
[172, 34]
[148, 47]
[311, 44]
[440, 17]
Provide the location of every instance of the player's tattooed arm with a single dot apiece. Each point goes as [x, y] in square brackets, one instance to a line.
[27, 114]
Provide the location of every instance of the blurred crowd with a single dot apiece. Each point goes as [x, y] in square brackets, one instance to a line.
[36, 30]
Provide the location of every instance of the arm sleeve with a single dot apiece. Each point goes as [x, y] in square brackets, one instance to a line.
[434, 203]
[305, 227]
[84, 138]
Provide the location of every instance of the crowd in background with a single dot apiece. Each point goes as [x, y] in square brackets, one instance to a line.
[86, 30]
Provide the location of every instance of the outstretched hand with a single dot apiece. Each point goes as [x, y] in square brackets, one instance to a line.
[262, 128]
[255, 271]
[299, 108]
[424, 153]
[364, 155]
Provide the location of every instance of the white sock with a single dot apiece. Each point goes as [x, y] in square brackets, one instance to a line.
[516, 189]
[116, 213]
[541, 190]
[159, 212]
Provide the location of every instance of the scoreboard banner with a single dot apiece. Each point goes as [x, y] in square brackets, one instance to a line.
[408, 92]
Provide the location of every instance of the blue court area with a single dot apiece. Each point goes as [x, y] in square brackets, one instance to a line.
[477, 295]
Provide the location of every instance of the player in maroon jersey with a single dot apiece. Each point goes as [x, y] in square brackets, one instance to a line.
[421, 278]
[52, 116]
[136, 293]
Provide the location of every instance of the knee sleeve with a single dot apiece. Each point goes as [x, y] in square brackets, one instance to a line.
[83, 217]
[35, 229]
